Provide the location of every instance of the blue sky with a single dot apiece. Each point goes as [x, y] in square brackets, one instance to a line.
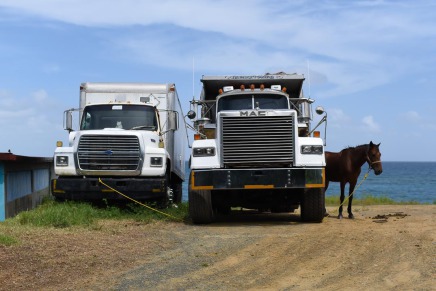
[371, 64]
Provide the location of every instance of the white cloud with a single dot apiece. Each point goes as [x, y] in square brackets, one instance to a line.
[40, 96]
[355, 44]
[51, 68]
[412, 116]
[39, 124]
[351, 46]
[6, 99]
[25, 112]
[370, 125]
[6, 115]
[31, 124]
[338, 118]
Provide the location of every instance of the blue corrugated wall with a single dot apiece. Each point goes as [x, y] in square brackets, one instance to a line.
[2, 193]
[41, 179]
[21, 184]
[18, 184]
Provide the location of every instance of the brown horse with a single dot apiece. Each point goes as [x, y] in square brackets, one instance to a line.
[344, 167]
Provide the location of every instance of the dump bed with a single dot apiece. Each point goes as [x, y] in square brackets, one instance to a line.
[212, 84]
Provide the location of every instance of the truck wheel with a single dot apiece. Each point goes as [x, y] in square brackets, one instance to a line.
[312, 205]
[200, 206]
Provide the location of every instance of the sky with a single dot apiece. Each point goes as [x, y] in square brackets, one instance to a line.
[370, 64]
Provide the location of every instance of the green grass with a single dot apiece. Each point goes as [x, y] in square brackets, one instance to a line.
[86, 215]
[367, 199]
[7, 240]
[52, 214]
[67, 214]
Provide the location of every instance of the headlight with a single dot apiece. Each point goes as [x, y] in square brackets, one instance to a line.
[312, 149]
[62, 161]
[156, 161]
[203, 152]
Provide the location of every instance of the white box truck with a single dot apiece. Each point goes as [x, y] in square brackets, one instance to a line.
[255, 148]
[132, 136]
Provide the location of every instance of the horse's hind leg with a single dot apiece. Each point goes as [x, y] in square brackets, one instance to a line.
[350, 200]
[342, 199]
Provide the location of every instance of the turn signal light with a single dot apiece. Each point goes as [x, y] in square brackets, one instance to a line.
[197, 136]
[316, 134]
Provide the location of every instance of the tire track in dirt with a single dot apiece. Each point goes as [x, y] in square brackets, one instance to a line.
[284, 254]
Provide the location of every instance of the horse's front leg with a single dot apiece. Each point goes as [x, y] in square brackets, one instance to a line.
[350, 199]
[342, 199]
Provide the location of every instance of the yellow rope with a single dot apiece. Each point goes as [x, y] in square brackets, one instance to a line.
[142, 204]
[355, 188]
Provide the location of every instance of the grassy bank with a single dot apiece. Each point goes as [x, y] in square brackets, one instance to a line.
[60, 215]
[70, 213]
[52, 214]
[368, 200]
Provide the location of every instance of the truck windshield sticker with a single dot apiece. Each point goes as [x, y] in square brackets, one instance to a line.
[253, 77]
[117, 107]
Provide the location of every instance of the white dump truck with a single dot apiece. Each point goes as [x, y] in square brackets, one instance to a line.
[254, 148]
[131, 136]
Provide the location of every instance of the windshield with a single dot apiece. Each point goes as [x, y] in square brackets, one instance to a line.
[254, 101]
[119, 116]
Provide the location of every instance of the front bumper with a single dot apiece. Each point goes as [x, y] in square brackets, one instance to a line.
[266, 178]
[92, 189]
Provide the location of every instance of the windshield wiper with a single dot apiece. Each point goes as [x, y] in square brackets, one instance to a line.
[148, 127]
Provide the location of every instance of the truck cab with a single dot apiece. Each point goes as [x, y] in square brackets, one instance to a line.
[254, 148]
[128, 138]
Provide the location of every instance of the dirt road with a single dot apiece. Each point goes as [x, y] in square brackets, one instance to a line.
[384, 247]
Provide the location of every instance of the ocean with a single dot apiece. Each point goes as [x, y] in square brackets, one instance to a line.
[400, 181]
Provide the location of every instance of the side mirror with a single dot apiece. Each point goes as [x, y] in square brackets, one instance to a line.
[173, 120]
[68, 118]
[319, 110]
[191, 114]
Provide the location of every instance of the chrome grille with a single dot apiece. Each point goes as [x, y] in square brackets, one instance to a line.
[263, 141]
[108, 152]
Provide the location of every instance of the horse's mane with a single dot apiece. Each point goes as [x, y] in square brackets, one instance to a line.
[356, 147]
[359, 146]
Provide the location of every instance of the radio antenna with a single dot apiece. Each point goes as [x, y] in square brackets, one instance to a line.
[193, 78]
[308, 75]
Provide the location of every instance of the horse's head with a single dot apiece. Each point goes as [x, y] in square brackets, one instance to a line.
[373, 157]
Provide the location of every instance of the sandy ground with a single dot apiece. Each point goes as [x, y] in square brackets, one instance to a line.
[383, 248]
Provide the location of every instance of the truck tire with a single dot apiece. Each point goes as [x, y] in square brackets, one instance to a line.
[200, 206]
[312, 205]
